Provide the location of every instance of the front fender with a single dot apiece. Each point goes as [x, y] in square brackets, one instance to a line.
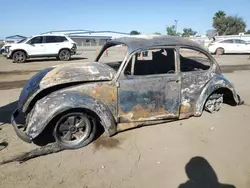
[217, 82]
[52, 105]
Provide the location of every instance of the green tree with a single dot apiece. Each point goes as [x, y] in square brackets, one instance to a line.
[187, 32]
[234, 25]
[134, 32]
[219, 15]
[228, 25]
[171, 30]
[248, 31]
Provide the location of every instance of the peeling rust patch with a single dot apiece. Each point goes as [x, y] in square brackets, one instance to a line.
[148, 99]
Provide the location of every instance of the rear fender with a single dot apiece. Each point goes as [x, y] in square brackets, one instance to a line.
[217, 82]
[47, 108]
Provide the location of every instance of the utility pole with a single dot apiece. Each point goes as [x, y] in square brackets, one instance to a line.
[176, 21]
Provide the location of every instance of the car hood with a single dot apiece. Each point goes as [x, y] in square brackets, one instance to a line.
[14, 45]
[63, 75]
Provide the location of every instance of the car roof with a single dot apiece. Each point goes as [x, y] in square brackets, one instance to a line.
[51, 34]
[230, 39]
[144, 41]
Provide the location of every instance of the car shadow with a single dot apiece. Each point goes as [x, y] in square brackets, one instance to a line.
[6, 111]
[201, 174]
[54, 59]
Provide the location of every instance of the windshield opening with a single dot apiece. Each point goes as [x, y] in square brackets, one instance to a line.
[113, 55]
[21, 41]
[25, 40]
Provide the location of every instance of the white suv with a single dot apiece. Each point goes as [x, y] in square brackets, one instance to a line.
[59, 46]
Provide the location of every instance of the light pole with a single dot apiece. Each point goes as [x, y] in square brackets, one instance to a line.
[176, 21]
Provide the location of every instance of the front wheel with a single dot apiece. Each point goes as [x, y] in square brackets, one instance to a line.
[74, 130]
[64, 55]
[19, 57]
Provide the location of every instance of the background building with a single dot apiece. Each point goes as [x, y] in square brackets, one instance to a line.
[85, 38]
[14, 39]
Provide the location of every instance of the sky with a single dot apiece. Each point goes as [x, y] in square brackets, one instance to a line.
[29, 17]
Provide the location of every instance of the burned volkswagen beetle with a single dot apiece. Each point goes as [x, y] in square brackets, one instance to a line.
[174, 79]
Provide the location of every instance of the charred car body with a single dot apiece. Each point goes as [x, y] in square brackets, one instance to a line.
[176, 79]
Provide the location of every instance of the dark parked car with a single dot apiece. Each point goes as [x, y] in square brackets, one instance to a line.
[175, 80]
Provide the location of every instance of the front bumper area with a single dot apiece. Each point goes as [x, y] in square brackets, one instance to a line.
[21, 134]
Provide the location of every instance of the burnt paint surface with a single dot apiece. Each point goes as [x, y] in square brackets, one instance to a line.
[58, 102]
[139, 41]
[148, 98]
[106, 92]
[64, 74]
[192, 85]
[216, 82]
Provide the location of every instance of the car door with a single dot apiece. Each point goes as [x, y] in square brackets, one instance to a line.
[35, 46]
[52, 45]
[228, 45]
[242, 46]
[149, 87]
[195, 74]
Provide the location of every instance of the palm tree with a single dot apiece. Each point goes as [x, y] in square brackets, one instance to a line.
[219, 14]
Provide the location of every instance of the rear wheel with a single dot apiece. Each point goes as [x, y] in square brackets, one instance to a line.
[19, 57]
[64, 55]
[214, 102]
[74, 130]
[220, 51]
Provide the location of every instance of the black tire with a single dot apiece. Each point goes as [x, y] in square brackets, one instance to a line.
[220, 51]
[19, 57]
[64, 55]
[68, 126]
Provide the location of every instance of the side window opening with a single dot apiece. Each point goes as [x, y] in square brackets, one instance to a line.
[151, 62]
[55, 39]
[193, 60]
[239, 41]
[227, 41]
[51, 39]
[36, 40]
[61, 39]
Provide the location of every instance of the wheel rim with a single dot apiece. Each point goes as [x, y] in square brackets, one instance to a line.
[64, 55]
[220, 51]
[73, 128]
[19, 57]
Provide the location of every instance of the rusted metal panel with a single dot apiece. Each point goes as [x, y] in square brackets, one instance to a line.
[106, 92]
[64, 74]
[216, 82]
[192, 85]
[75, 72]
[50, 106]
[142, 42]
[149, 98]
[131, 125]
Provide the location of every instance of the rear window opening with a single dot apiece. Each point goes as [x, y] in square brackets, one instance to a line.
[193, 60]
